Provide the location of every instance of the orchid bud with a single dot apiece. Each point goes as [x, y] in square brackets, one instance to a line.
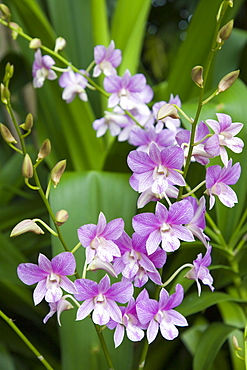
[60, 44]
[28, 124]
[227, 81]
[15, 29]
[27, 167]
[57, 171]
[9, 71]
[45, 150]
[61, 217]
[235, 344]
[35, 43]
[98, 264]
[26, 226]
[167, 110]
[5, 94]
[197, 75]
[5, 12]
[6, 134]
[62, 305]
[225, 32]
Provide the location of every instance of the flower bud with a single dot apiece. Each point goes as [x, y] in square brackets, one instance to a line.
[167, 110]
[45, 150]
[235, 344]
[225, 32]
[60, 44]
[26, 226]
[35, 43]
[62, 305]
[61, 217]
[98, 264]
[5, 12]
[9, 71]
[27, 167]
[197, 75]
[57, 171]
[227, 81]
[5, 94]
[28, 124]
[6, 134]
[15, 30]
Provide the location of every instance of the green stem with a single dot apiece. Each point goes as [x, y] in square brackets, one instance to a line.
[11, 113]
[176, 273]
[26, 341]
[194, 190]
[104, 347]
[143, 355]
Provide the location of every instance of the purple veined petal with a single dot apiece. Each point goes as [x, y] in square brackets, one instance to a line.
[100, 227]
[183, 136]
[113, 100]
[155, 277]
[225, 120]
[140, 162]
[146, 309]
[141, 278]
[174, 300]
[85, 309]
[212, 175]
[177, 318]
[201, 131]
[235, 144]
[153, 241]
[39, 292]
[51, 75]
[112, 84]
[214, 125]
[154, 153]
[118, 335]
[110, 250]
[47, 61]
[145, 180]
[100, 314]
[223, 155]
[67, 285]
[227, 196]
[161, 212]
[83, 96]
[137, 83]
[172, 157]
[44, 263]
[176, 178]
[212, 146]
[168, 330]
[182, 233]
[86, 234]
[114, 311]
[170, 243]
[134, 333]
[86, 289]
[99, 53]
[180, 213]
[124, 242]
[29, 273]
[114, 229]
[121, 292]
[147, 264]
[158, 258]
[234, 128]
[54, 294]
[104, 285]
[152, 331]
[130, 270]
[230, 175]
[63, 264]
[90, 254]
[145, 223]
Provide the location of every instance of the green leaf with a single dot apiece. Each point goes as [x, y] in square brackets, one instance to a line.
[210, 344]
[232, 314]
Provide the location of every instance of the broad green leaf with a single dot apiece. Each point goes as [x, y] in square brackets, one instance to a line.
[128, 26]
[193, 304]
[210, 344]
[84, 195]
[232, 314]
[6, 360]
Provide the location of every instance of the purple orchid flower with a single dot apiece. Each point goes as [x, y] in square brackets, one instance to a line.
[134, 264]
[58, 307]
[74, 84]
[198, 223]
[100, 298]
[41, 69]
[156, 170]
[199, 153]
[165, 226]
[130, 322]
[113, 121]
[148, 196]
[98, 239]
[225, 131]
[217, 181]
[127, 91]
[50, 276]
[160, 315]
[200, 270]
[106, 59]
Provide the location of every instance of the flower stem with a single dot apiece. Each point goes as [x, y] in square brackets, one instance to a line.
[143, 355]
[26, 341]
[104, 347]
